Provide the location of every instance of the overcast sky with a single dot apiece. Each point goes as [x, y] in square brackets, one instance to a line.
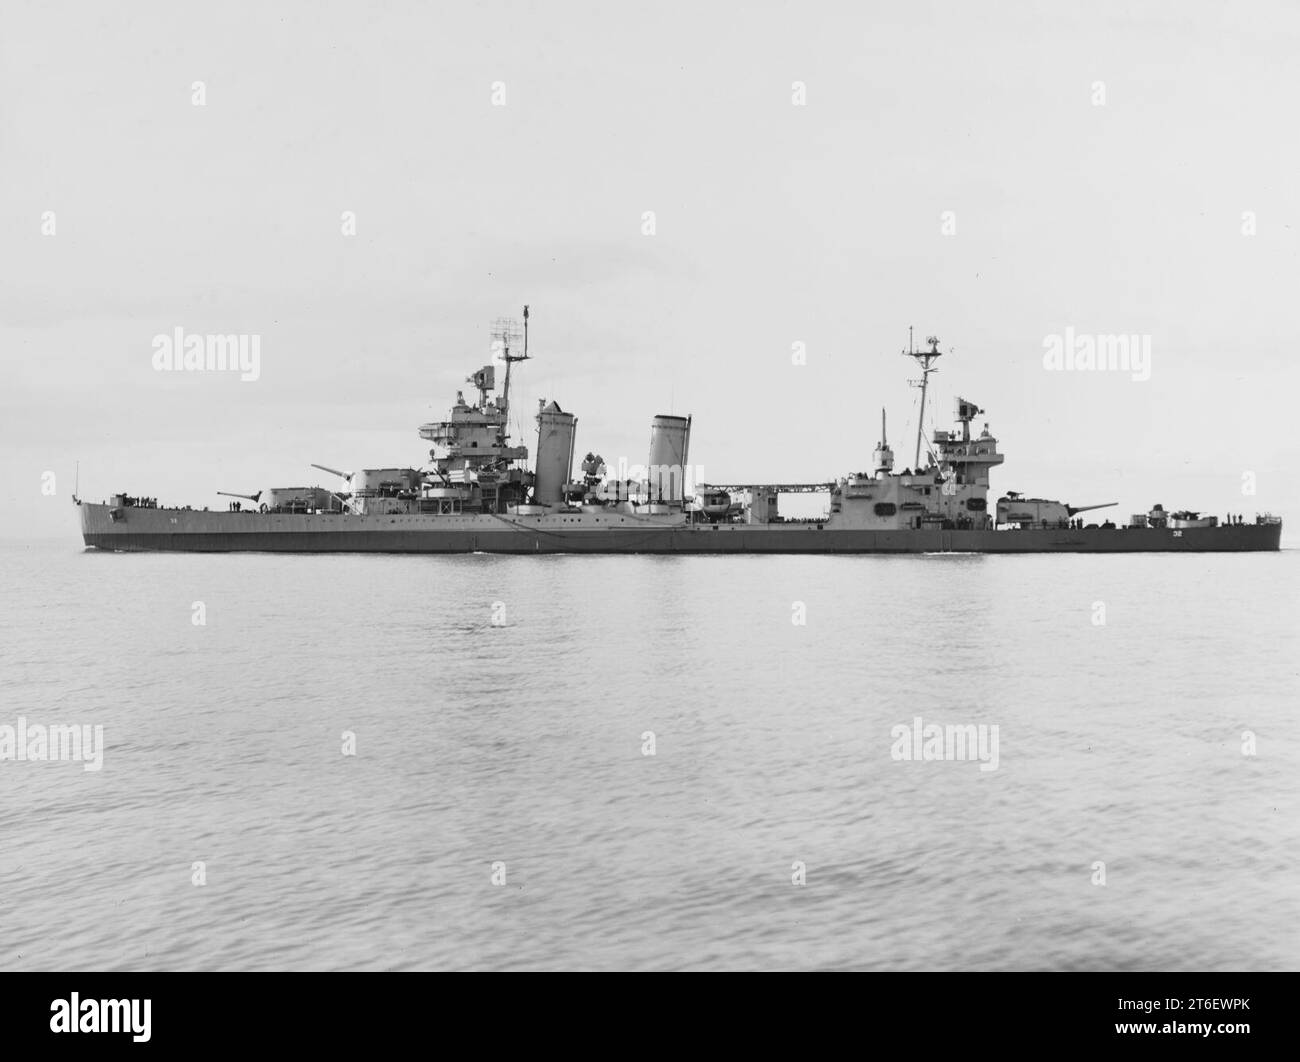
[992, 173]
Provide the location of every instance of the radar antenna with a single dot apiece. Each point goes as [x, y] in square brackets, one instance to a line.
[925, 359]
[507, 331]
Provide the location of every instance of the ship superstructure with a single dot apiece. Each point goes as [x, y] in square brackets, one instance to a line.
[474, 466]
[478, 493]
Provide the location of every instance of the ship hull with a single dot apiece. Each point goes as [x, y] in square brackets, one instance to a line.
[190, 531]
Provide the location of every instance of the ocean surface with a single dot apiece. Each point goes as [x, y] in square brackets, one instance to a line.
[501, 807]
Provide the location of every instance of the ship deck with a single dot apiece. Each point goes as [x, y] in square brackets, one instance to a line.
[186, 530]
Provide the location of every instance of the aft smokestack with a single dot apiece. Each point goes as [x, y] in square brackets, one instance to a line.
[670, 441]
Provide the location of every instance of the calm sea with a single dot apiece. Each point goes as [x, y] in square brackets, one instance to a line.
[651, 763]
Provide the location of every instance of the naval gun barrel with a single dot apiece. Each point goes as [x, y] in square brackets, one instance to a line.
[246, 497]
[332, 471]
[1072, 509]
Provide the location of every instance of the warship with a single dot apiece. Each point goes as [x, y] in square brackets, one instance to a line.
[477, 493]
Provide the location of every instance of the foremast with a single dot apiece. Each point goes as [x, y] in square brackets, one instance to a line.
[474, 465]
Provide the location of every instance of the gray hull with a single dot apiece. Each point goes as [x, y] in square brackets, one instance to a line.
[185, 530]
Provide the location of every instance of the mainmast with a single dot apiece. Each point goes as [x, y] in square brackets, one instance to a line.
[925, 359]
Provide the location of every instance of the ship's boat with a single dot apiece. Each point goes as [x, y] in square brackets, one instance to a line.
[1189, 519]
[715, 504]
